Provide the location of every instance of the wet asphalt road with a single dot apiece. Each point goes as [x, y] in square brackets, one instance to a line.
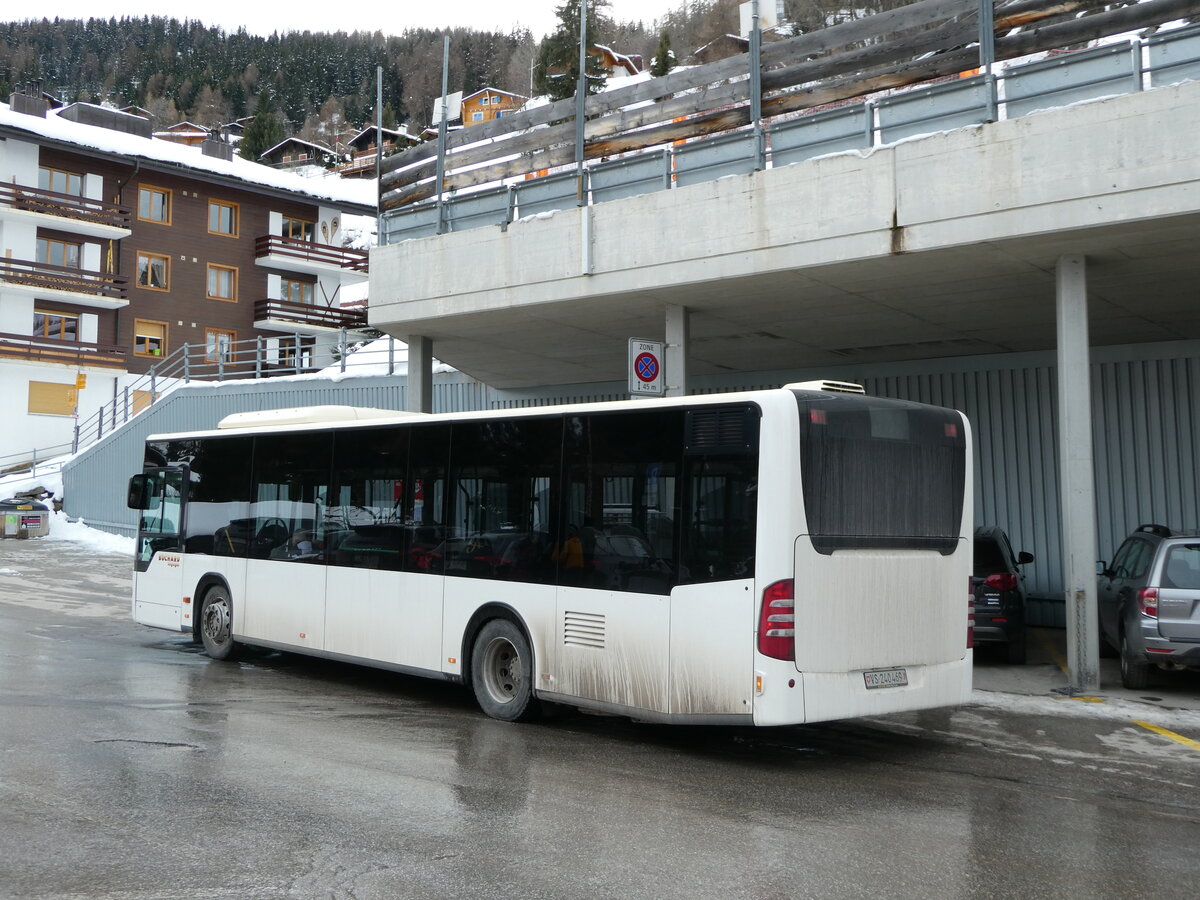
[131, 766]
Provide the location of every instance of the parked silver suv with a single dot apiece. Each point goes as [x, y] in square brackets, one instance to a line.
[1149, 598]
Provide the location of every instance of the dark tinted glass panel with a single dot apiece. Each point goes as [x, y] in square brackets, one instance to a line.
[720, 508]
[881, 473]
[289, 497]
[425, 499]
[989, 557]
[504, 477]
[621, 501]
[365, 525]
[218, 503]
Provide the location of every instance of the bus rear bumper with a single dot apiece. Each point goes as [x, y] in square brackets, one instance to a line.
[826, 696]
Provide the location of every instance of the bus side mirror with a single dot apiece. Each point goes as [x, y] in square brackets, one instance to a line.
[139, 492]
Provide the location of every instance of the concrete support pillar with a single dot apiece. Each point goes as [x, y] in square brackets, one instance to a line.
[675, 352]
[1078, 482]
[420, 374]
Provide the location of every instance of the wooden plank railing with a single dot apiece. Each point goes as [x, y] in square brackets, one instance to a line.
[42, 349]
[308, 314]
[910, 44]
[68, 206]
[326, 254]
[63, 278]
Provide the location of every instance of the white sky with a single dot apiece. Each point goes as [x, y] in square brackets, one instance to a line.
[390, 17]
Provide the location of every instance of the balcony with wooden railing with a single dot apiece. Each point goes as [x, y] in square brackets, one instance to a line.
[52, 350]
[97, 216]
[85, 287]
[308, 256]
[285, 315]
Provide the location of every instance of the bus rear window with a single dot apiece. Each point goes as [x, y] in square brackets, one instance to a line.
[881, 474]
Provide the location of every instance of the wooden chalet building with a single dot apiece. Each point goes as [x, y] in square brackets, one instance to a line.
[489, 103]
[117, 250]
[362, 150]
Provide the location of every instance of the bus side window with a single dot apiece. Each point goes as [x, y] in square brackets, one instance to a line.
[720, 510]
[291, 480]
[621, 496]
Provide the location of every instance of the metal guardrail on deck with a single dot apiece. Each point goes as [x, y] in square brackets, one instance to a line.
[695, 125]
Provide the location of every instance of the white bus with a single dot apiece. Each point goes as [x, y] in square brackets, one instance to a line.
[767, 558]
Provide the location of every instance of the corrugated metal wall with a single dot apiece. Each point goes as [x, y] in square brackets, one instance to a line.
[1145, 405]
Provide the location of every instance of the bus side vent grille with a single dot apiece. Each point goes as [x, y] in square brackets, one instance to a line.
[727, 429]
[583, 629]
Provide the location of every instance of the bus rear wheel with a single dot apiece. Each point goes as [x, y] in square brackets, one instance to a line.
[502, 672]
[216, 624]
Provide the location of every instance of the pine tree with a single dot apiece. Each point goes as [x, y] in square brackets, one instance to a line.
[264, 130]
[664, 59]
[557, 67]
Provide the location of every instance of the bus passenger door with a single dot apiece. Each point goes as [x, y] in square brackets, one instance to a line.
[158, 584]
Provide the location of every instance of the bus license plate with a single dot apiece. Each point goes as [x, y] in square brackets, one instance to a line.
[886, 678]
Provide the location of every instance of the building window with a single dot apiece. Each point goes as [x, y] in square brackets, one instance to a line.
[296, 291]
[218, 344]
[222, 218]
[298, 229]
[483, 101]
[149, 338]
[56, 325]
[296, 351]
[58, 253]
[49, 399]
[222, 282]
[154, 204]
[62, 182]
[153, 271]
[477, 117]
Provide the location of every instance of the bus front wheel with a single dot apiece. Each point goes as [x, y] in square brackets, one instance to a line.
[502, 672]
[216, 624]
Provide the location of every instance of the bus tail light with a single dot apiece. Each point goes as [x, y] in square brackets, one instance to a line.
[1148, 602]
[777, 621]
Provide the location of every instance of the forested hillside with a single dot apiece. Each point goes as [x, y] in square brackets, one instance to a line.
[186, 69]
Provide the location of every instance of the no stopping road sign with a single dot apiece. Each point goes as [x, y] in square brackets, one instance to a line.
[645, 368]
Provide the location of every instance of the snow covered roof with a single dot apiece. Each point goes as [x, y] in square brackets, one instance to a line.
[296, 142]
[358, 194]
[491, 90]
[367, 135]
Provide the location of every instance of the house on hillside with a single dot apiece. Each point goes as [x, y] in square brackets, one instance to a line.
[363, 145]
[616, 65]
[489, 103]
[188, 133]
[117, 251]
[291, 153]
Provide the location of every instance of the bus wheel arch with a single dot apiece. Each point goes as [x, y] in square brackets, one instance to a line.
[498, 664]
[214, 617]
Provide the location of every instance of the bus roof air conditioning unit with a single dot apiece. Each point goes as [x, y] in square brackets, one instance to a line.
[829, 387]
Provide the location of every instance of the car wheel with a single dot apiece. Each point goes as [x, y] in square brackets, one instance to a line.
[216, 624]
[502, 672]
[1135, 673]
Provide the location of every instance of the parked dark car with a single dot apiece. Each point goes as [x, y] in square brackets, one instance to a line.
[999, 592]
[1149, 600]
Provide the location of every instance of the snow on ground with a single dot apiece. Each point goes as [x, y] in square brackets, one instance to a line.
[63, 530]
